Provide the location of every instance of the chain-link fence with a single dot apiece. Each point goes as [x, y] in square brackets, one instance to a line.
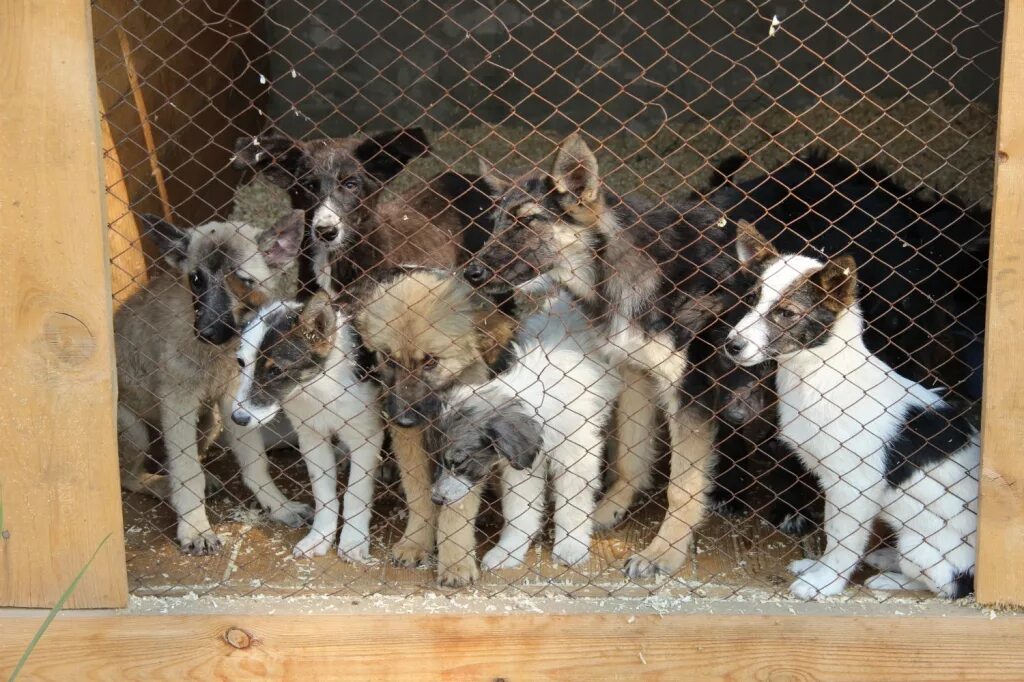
[584, 298]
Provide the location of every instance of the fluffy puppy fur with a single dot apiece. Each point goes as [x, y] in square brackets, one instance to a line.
[880, 444]
[429, 332]
[650, 278]
[353, 233]
[303, 358]
[175, 343]
[543, 418]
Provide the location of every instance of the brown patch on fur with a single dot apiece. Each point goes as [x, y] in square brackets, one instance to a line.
[575, 170]
[754, 248]
[317, 323]
[419, 314]
[838, 283]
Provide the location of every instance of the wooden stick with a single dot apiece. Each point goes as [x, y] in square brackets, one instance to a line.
[147, 129]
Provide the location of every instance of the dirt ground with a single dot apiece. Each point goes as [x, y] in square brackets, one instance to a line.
[735, 558]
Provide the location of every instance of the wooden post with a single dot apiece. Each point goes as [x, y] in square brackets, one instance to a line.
[58, 453]
[1000, 573]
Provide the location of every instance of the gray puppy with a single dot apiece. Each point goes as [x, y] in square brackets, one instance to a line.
[176, 342]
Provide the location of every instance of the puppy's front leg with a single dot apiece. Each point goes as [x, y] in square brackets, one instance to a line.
[180, 415]
[456, 540]
[849, 511]
[323, 477]
[247, 445]
[364, 460]
[636, 433]
[417, 541]
[693, 439]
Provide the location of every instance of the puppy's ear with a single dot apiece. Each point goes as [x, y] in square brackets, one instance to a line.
[575, 170]
[319, 322]
[752, 247]
[385, 155]
[495, 181]
[838, 282]
[171, 241]
[280, 244]
[516, 437]
[280, 158]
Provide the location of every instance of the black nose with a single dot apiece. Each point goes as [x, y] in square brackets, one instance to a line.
[327, 234]
[735, 346]
[218, 333]
[437, 499]
[241, 417]
[476, 273]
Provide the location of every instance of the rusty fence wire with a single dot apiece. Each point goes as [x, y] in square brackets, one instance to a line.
[549, 298]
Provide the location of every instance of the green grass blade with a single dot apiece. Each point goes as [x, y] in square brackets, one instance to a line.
[54, 611]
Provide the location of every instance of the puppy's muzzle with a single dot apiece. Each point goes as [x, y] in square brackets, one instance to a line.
[328, 233]
[476, 273]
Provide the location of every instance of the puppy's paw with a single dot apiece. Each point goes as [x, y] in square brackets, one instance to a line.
[888, 581]
[409, 553]
[817, 582]
[316, 543]
[498, 558]
[198, 544]
[608, 514]
[570, 552]
[292, 514]
[458, 574]
[652, 561]
[353, 546]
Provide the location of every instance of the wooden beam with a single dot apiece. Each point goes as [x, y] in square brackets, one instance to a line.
[58, 454]
[520, 647]
[1000, 572]
[127, 259]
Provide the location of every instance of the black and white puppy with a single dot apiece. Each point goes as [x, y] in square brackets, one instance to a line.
[881, 445]
[303, 358]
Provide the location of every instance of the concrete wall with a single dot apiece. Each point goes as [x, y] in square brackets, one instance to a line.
[346, 65]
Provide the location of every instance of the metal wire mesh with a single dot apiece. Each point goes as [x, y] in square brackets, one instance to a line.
[558, 371]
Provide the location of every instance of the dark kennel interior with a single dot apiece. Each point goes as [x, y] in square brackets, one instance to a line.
[665, 92]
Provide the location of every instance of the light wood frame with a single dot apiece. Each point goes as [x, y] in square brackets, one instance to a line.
[59, 479]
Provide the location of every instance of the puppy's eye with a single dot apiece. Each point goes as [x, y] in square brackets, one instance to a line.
[273, 372]
[351, 184]
[196, 279]
[786, 314]
[245, 280]
[429, 362]
[241, 362]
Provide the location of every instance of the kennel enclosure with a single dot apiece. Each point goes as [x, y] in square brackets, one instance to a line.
[172, 108]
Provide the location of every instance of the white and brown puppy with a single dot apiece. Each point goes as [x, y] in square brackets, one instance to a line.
[881, 445]
[430, 332]
[302, 358]
[176, 341]
[543, 418]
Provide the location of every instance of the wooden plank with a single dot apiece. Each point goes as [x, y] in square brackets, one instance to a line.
[520, 647]
[1000, 572]
[127, 260]
[58, 454]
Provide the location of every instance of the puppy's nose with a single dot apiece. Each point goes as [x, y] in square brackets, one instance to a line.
[735, 346]
[407, 419]
[476, 273]
[327, 234]
[437, 499]
[241, 417]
